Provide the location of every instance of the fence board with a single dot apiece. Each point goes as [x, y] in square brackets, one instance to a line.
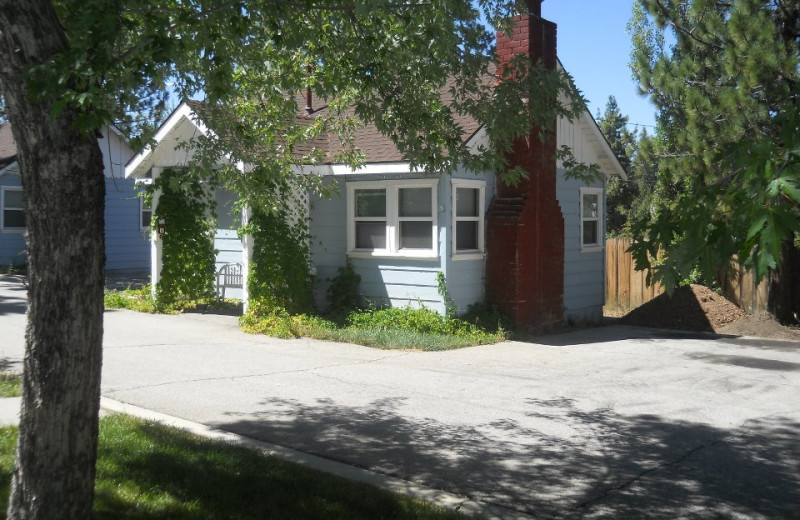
[625, 286]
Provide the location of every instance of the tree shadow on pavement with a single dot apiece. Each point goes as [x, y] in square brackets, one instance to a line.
[14, 295]
[563, 462]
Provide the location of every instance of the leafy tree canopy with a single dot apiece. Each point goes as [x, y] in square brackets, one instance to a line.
[382, 62]
[724, 77]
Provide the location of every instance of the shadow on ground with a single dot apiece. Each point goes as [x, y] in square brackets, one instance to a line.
[565, 462]
[14, 299]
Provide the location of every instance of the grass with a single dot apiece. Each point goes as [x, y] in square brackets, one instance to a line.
[146, 470]
[396, 328]
[141, 300]
[10, 385]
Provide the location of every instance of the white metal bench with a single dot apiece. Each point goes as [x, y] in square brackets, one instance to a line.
[229, 276]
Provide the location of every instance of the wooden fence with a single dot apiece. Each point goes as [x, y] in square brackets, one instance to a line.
[626, 287]
[740, 287]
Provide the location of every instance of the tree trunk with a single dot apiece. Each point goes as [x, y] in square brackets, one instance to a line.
[784, 286]
[62, 178]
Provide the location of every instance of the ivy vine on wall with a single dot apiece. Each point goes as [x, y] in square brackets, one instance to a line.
[280, 267]
[186, 206]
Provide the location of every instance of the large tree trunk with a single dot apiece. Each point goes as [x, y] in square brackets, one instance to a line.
[62, 178]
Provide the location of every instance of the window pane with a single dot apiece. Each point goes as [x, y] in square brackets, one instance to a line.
[370, 235]
[13, 199]
[416, 235]
[13, 219]
[415, 202]
[466, 236]
[590, 232]
[370, 203]
[589, 206]
[467, 202]
[146, 216]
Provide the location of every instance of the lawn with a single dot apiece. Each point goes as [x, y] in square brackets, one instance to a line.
[10, 385]
[146, 470]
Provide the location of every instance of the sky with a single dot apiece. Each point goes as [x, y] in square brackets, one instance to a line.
[594, 46]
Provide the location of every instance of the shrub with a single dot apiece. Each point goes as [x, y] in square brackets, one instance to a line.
[343, 294]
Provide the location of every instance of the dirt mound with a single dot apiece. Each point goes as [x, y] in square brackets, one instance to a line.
[760, 326]
[692, 307]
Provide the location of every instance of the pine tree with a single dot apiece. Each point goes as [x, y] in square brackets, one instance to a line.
[620, 193]
[724, 77]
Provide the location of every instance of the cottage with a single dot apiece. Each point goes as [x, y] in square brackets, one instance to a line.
[126, 221]
[535, 250]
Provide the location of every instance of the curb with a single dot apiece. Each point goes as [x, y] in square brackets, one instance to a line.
[438, 497]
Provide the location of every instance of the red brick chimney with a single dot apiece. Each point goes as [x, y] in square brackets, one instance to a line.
[525, 226]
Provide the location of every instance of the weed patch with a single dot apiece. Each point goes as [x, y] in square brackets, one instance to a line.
[141, 300]
[396, 328]
[10, 385]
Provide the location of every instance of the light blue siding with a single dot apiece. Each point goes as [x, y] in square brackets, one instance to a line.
[227, 242]
[127, 245]
[384, 281]
[12, 243]
[584, 272]
[465, 278]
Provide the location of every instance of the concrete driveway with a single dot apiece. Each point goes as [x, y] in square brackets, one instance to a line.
[601, 423]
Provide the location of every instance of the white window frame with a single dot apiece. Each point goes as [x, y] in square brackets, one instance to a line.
[3, 226]
[472, 254]
[144, 182]
[586, 248]
[393, 219]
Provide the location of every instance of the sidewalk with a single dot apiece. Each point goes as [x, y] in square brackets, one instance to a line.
[9, 411]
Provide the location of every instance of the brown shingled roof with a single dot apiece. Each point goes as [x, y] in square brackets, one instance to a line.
[375, 146]
[378, 147]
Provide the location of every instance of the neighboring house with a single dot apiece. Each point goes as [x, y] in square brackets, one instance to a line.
[535, 250]
[127, 235]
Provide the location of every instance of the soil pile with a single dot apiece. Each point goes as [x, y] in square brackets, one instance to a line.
[692, 307]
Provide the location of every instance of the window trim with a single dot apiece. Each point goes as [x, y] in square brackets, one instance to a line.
[393, 219]
[145, 181]
[588, 248]
[469, 254]
[3, 227]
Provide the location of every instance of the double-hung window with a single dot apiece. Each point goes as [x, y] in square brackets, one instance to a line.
[12, 217]
[392, 218]
[468, 217]
[591, 218]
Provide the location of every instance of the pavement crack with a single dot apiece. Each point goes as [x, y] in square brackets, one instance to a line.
[633, 480]
[250, 376]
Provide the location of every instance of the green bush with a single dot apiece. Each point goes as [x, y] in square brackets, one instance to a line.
[140, 300]
[487, 317]
[405, 328]
[343, 294]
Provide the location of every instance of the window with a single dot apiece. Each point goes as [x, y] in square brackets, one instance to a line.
[146, 214]
[468, 220]
[591, 215]
[13, 214]
[392, 218]
[145, 209]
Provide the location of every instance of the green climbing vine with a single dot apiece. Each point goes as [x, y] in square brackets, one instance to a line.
[186, 207]
[279, 275]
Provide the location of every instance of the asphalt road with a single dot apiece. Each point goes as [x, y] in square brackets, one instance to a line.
[601, 423]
